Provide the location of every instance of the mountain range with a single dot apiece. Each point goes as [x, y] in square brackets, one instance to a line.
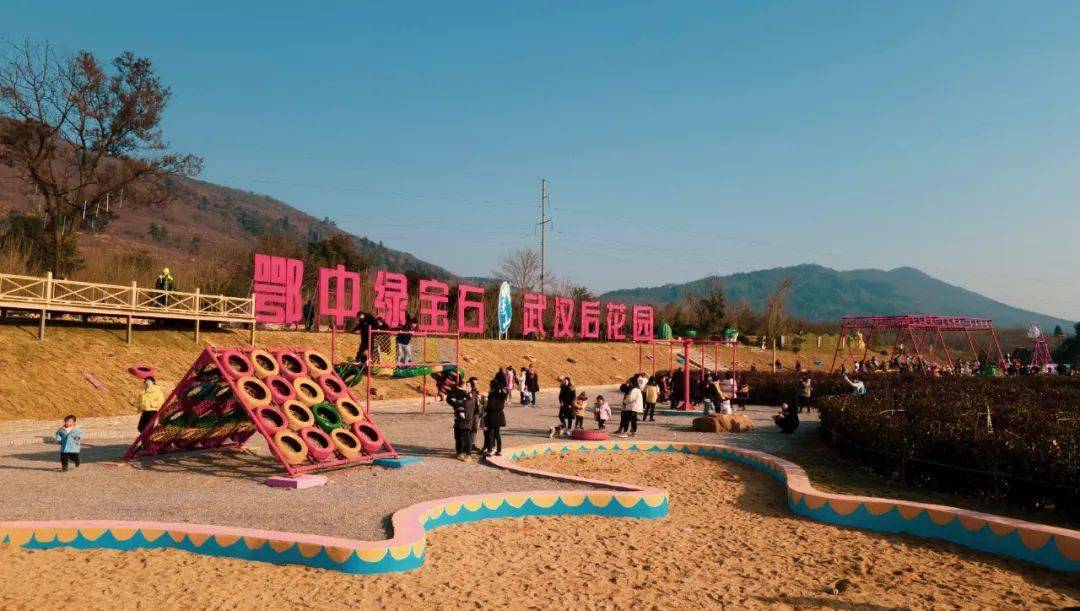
[819, 293]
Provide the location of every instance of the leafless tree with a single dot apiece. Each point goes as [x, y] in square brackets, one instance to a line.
[521, 268]
[79, 135]
[776, 317]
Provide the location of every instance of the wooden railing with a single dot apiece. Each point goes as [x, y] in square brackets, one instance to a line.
[46, 294]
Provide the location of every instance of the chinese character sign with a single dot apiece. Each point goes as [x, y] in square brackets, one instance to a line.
[616, 320]
[278, 282]
[391, 297]
[564, 318]
[533, 320]
[434, 301]
[590, 320]
[339, 294]
[470, 299]
[643, 327]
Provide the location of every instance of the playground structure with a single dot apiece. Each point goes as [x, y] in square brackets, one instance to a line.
[682, 352]
[431, 353]
[1040, 349]
[926, 334]
[292, 397]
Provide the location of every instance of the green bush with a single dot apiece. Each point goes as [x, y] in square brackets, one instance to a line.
[1013, 439]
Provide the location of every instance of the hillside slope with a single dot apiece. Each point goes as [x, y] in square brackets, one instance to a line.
[46, 380]
[205, 217]
[823, 294]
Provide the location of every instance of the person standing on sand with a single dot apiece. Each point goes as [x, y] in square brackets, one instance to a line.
[464, 405]
[532, 383]
[150, 401]
[579, 410]
[523, 388]
[652, 395]
[633, 406]
[566, 406]
[495, 416]
[602, 411]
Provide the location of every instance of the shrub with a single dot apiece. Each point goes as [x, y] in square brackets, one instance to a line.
[1011, 439]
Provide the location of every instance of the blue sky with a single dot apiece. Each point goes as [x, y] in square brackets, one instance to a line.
[680, 139]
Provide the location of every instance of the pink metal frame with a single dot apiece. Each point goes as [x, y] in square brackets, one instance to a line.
[929, 329]
[394, 364]
[687, 350]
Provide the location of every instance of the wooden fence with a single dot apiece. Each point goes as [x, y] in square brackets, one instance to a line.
[47, 295]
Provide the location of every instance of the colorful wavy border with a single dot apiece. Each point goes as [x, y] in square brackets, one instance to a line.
[1056, 548]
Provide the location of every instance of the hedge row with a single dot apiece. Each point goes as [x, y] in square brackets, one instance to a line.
[1014, 439]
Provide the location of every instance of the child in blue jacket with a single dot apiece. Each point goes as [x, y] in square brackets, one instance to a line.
[69, 437]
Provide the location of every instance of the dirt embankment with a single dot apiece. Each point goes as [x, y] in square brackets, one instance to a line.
[45, 380]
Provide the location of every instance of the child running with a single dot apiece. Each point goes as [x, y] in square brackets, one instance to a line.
[602, 411]
[69, 437]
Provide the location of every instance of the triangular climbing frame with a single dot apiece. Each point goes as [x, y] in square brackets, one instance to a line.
[292, 397]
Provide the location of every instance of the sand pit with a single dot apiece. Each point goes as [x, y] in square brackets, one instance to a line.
[730, 540]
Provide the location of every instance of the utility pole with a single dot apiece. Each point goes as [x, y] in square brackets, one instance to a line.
[544, 220]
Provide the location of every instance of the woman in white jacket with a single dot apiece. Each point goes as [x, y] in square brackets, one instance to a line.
[633, 406]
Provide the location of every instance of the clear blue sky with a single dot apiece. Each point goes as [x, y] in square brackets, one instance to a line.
[942, 135]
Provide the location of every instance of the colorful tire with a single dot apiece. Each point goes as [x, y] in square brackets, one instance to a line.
[291, 446]
[346, 444]
[326, 417]
[583, 435]
[292, 366]
[264, 363]
[308, 392]
[253, 392]
[231, 411]
[317, 364]
[333, 387]
[319, 445]
[349, 411]
[178, 418]
[371, 440]
[281, 390]
[236, 364]
[272, 418]
[297, 415]
[142, 371]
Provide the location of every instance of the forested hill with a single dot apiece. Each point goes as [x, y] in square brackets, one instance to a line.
[822, 294]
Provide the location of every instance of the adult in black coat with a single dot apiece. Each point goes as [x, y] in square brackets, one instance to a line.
[465, 406]
[495, 416]
[787, 419]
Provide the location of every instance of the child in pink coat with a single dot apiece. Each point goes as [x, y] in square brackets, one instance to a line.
[602, 411]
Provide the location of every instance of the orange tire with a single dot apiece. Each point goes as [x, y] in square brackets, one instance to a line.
[317, 364]
[292, 448]
[253, 392]
[264, 364]
[308, 392]
[297, 415]
[349, 410]
[346, 444]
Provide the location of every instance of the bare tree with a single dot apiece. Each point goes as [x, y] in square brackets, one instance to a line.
[79, 136]
[521, 268]
[776, 317]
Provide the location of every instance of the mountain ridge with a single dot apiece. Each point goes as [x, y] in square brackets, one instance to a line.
[820, 293]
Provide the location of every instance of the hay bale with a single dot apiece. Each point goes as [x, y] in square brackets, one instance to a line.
[705, 424]
[741, 423]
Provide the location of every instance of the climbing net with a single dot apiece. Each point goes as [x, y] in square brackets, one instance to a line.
[427, 354]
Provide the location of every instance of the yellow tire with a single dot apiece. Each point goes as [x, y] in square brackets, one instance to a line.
[252, 392]
[297, 415]
[317, 364]
[349, 410]
[264, 364]
[345, 443]
[307, 391]
[291, 447]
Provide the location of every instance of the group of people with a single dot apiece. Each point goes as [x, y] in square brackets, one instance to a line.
[527, 382]
[474, 411]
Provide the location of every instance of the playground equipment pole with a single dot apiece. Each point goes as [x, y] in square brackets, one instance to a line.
[686, 373]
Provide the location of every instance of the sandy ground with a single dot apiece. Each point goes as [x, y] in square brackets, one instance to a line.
[46, 380]
[729, 541]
